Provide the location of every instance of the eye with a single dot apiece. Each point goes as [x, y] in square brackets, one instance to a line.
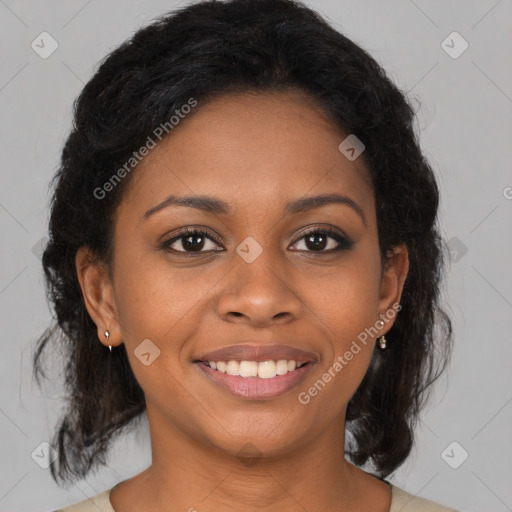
[192, 240]
[318, 239]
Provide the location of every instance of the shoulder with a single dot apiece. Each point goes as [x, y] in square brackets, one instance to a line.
[402, 501]
[99, 502]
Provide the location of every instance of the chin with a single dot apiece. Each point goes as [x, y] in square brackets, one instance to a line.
[253, 437]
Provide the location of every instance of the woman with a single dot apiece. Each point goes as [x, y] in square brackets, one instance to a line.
[244, 244]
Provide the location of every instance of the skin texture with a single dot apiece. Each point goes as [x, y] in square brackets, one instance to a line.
[255, 152]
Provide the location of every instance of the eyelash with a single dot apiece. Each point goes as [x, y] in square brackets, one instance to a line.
[344, 243]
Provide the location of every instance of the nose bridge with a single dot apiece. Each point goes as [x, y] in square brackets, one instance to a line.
[258, 289]
[258, 262]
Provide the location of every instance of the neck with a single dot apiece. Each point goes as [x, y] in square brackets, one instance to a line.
[189, 474]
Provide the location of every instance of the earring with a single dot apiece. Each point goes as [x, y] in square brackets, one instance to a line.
[382, 342]
[107, 335]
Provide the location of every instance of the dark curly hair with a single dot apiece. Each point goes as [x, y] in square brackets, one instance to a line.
[204, 50]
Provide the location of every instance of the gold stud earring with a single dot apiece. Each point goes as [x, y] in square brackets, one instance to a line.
[382, 342]
[107, 335]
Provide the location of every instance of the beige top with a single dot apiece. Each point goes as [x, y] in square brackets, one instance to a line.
[401, 501]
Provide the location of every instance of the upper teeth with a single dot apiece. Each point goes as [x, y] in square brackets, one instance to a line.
[263, 369]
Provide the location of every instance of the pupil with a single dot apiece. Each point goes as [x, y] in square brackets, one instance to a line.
[192, 246]
[320, 245]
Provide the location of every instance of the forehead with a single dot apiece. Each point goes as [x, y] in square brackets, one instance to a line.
[254, 149]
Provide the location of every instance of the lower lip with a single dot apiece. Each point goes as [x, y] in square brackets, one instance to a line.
[254, 388]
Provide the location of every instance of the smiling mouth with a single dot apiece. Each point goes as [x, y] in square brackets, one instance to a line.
[255, 379]
[259, 369]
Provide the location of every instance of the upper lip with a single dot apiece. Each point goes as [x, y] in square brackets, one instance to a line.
[259, 353]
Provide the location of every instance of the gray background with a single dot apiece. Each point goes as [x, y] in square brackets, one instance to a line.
[466, 129]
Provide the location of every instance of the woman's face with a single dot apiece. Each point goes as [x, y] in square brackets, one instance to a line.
[256, 278]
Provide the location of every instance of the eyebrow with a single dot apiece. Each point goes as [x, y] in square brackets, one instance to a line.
[217, 206]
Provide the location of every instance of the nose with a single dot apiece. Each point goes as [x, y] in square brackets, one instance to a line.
[260, 293]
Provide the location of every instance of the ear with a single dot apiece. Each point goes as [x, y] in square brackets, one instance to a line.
[98, 295]
[392, 283]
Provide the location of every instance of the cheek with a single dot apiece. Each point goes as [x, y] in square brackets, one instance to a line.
[158, 310]
[346, 308]
[153, 300]
[346, 300]
[346, 313]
